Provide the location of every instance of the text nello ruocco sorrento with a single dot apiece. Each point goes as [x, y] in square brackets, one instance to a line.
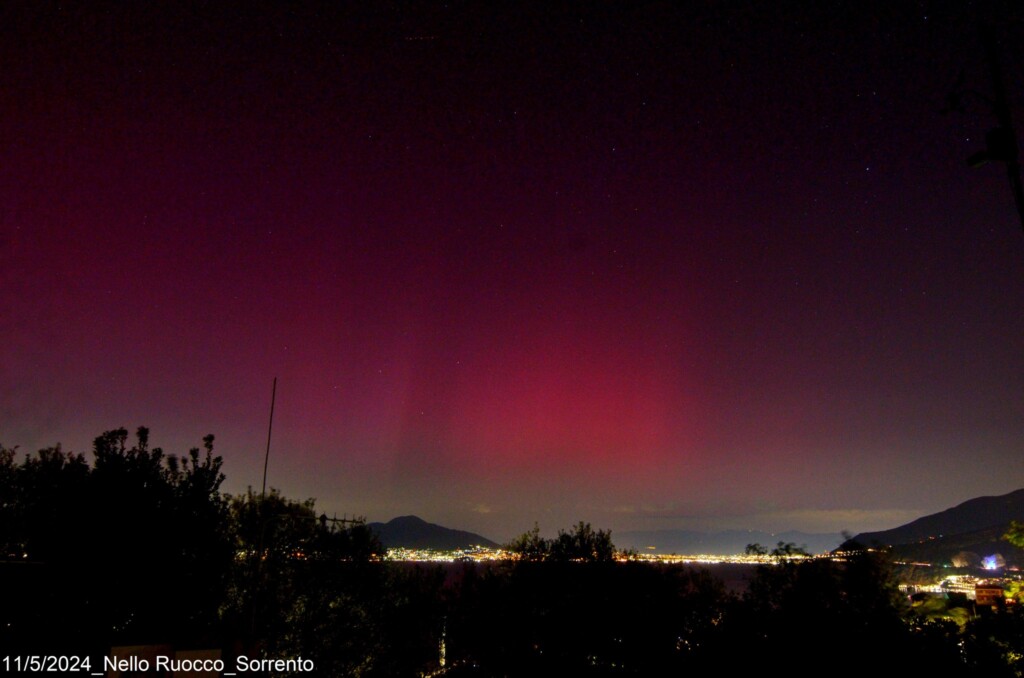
[241, 665]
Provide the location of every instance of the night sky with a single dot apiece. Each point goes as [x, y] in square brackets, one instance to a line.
[717, 265]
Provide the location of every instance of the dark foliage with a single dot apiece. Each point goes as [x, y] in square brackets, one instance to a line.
[141, 548]
[302, 588]
[129, 549]
[582, 544]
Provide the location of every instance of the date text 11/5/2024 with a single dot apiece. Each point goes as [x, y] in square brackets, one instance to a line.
[77, 664]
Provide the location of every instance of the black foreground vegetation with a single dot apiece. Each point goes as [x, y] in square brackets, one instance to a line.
[139, 547]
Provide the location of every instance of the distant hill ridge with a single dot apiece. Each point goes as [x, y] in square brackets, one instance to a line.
[722, 542]
[973, 515]
[412, 532]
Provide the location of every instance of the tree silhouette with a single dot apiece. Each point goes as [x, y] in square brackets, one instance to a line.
[305, 588]
[1015, 534]
[530, 545]
[143, 533]
[581, 544]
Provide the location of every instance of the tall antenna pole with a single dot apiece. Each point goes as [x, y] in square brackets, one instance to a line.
[270, 428]
[257, 573]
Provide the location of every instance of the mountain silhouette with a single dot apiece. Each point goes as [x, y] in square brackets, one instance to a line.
[972, 515]
[722, 542]
[412, 532]
[975, 526]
